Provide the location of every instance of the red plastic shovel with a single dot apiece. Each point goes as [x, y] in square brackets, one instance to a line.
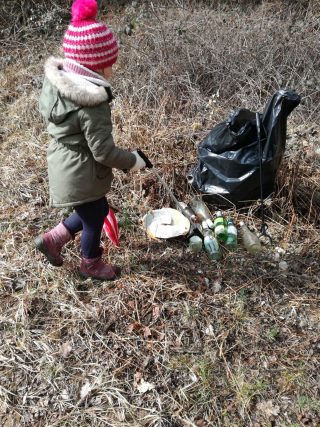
[110, 227]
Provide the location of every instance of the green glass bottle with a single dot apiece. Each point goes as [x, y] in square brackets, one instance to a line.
[219, 227]
[232, 234]
[211, 244]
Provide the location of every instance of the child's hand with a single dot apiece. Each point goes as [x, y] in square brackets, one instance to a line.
[140, 163]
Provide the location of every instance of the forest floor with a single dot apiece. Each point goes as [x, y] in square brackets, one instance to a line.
[178, 340]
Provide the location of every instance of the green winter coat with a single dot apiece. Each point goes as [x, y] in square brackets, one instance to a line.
[82, 153]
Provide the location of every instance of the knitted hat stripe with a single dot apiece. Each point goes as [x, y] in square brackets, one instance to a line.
[106, 49]
[86, 48]
[85, 43]
[92, 31]
[89, 53]
[91, 38]
[93, 57]
[99, 65]
[96, 55]
[86, 27]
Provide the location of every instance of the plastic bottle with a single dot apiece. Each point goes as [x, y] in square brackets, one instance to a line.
[250, 240]
[202, 211]
[232, 234]
[219, 226]
[211, 244]
[195, 244]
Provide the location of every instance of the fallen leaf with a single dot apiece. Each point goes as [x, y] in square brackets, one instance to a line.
[136, 379]
[65, 349]
[156, 311]
[146, 332]
[132, 304]
[65, 394]
[135, 326]
[283, 266]
[144, 386]
[196, 126]
[209, 331]
[85, 390]
[138, 327]
[161, 336]
[216, 286]
[268, 409]
[18, 284]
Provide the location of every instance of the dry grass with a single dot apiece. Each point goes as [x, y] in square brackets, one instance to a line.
[178, 340]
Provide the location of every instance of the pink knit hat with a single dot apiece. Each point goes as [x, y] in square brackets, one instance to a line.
[87, 41]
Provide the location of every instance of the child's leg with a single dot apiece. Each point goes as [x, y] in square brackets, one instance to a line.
[88, 217]
[73, 223]
[92, 216]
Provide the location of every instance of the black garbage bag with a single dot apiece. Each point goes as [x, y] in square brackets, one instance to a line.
[228, 168]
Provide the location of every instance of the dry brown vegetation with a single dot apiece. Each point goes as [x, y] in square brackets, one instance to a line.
[178, 340]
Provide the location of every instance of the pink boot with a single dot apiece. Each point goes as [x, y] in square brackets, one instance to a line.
[97, 269]
[51, 243]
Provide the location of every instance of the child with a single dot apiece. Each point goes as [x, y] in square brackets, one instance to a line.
[75, 103]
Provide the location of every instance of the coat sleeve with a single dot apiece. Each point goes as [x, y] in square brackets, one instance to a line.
[95, 123]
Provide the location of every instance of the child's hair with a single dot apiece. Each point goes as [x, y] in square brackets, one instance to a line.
[88, 42]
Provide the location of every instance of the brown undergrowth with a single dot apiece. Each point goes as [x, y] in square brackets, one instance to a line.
[177, 340]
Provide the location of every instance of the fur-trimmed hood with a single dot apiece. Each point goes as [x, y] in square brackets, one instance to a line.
[73, 87]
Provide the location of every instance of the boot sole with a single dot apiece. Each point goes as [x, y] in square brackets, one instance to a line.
[40, 245]
[102, 279]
